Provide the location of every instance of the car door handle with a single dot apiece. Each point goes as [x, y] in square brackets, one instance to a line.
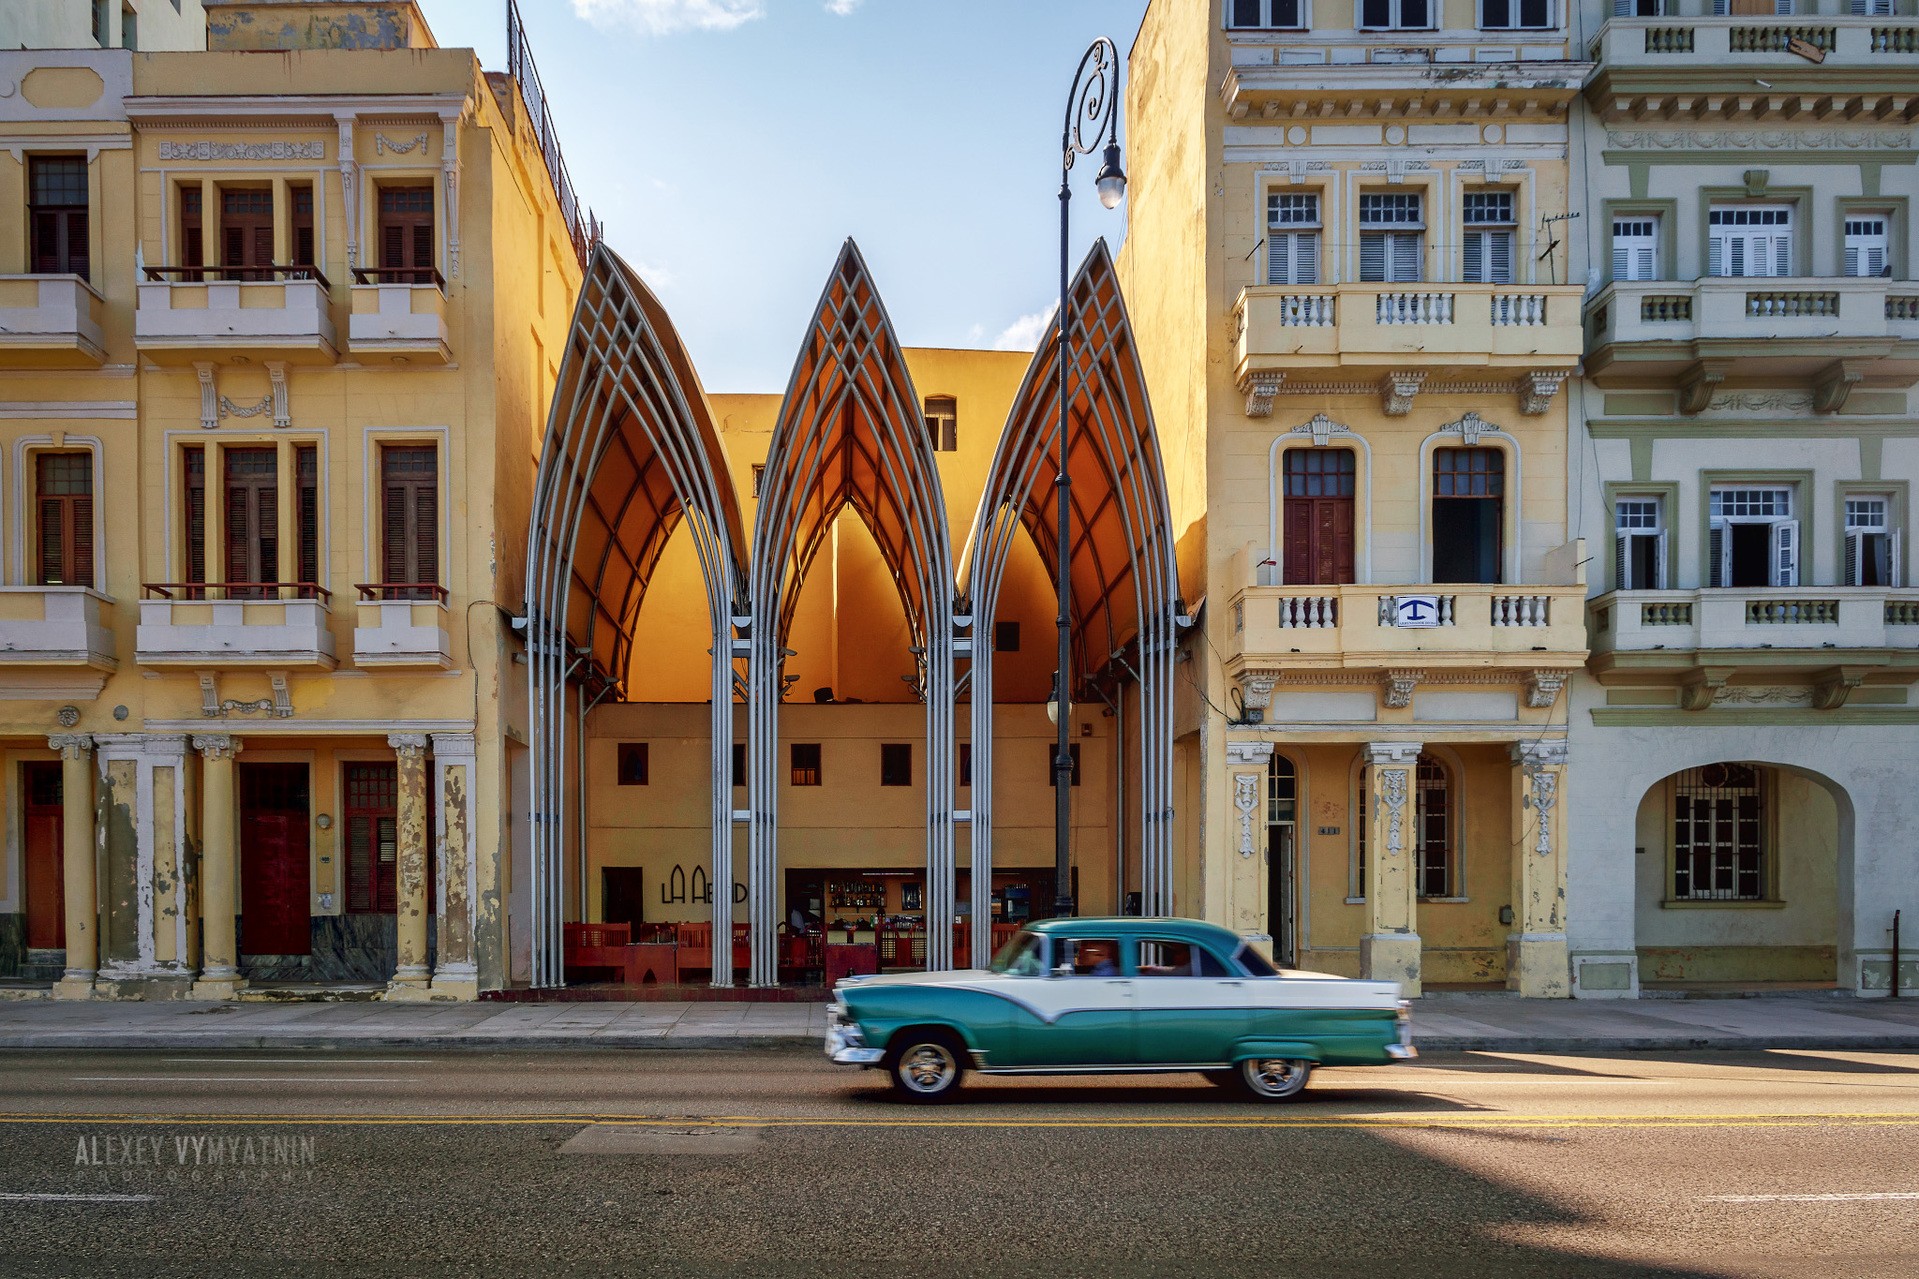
[1232, 983]
[1119, 981]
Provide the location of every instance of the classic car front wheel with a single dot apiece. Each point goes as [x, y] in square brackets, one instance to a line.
[925, 1066]
[1274, 1078]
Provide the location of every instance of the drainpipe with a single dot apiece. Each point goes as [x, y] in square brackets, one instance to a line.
[1895, 954]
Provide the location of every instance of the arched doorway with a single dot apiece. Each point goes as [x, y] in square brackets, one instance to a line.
[1742, 878]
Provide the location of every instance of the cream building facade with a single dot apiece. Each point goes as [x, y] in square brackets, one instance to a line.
[280, 332]
[143, 26]
[1745, 735]
[1346, 256]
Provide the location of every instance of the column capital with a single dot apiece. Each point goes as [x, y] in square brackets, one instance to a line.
[1400, 753]
[1545, 752]
[408, 745]
[1260, 753]
[216, 745]
[460, 744]
[71, 745]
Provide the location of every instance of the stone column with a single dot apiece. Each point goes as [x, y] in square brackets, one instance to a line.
[1537, 965]
[411, 974]
[1247, 764]
[219, 868]
[79, 871]
[456, 975]
[1389, 951]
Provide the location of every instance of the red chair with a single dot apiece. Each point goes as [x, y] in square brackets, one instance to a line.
[603, 946]
[694, 951]
[742, 947]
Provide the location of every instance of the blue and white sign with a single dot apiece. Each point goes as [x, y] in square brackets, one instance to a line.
[1416, 610]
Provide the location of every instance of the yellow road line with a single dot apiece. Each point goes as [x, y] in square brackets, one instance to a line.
[1438, 1121]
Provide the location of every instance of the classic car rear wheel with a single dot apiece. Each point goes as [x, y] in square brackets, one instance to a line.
[926, 1065]
[1274, 1078]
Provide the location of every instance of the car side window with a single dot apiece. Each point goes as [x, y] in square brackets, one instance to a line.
[1207, 964]
[1025, 956]
[1254, 963]
[1165, 959]
[1086, 957]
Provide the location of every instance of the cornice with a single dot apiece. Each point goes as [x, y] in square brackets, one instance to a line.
[1432, 90]
[283, 108]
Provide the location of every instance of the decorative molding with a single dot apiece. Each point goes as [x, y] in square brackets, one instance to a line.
[277, 376]
[1540, 752]
[72, 746]
[1382, 754]
[383, 144]
[67, 716]
[1469, 428]
[1744, 695]
[1322, 429]
[1836, 685]
[1259, 389]
[1833, 387]
[349, 189]
[1397, 389]
[229, 409]
[1537, 389]
[1392, 800]
[1758, 140]
[1701, 686]
[1761, 402]
[1246, 800]
[450, 174]
[408, 745]
[1256, 691]
[212, 706]
[1696, 386]
[1542, 688]
[1241, 752]
[1293, 387]
[1397, 687]
[207, 150]
[209, 395]
[214, 746]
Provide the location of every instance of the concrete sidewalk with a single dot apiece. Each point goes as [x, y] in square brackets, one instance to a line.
[1440, 1023]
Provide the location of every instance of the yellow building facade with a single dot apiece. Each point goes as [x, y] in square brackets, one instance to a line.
[1345, 253]
[280, 334]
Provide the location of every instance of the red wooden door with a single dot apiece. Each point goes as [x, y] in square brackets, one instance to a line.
[274, 874]
[1319, 517]
[46, 882]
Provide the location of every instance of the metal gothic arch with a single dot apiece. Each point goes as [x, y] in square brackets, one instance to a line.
[632, 452]
[1124, 577]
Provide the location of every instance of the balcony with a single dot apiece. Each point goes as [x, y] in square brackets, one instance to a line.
[186, 314]
[399, 315]
[1703, 637]
[50, 322]
[235, 624]
[1303, 333]
[1830, 332]
[55, 626]
[402, 625]
[1451, 626]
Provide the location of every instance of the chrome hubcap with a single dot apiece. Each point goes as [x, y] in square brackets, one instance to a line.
[1276, 1075]
[927, 1068]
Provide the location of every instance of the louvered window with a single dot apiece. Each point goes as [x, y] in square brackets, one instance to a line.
[1396, 15]
[301, 198]
[306, 489]
[1752, 8]
[1870, 8]
[246, 234]
[252, 521]
[1267, 15]
[1635, 247]
[410, 507]
[57, 214]
[1516, 15]
[1867, 245]
[1488, 248]
[194, 468]
[1749, 240]
[942, 422]
[1640, 544]
[63, 519]
[406, 231]
[1391, 238]
[1292, 238]
[193, 245]
[1872, 544]
[1642, 8]
[1753, 538]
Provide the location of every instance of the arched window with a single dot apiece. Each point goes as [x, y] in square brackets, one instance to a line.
[1435, 865]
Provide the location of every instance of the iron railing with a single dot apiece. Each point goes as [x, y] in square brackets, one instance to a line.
[581, 225]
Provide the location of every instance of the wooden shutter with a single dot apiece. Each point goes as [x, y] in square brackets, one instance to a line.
[64, 519]
[192, 245]
[246, 234]
[303, 247]
[406, 231]
[306, 481]
[410, 516]
[194, 464]
[1299, 542]
[1372, 256]
[57, 215]
[1405, 256]
[1719, 556]
[252, 517]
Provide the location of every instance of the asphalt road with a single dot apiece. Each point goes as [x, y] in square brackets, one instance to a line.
[641, 1163]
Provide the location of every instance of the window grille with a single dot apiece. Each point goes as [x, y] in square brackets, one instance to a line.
[1719, 834]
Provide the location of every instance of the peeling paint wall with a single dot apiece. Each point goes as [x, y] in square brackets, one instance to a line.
[316, 24]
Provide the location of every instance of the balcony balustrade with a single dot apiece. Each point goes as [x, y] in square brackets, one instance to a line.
[205, 313]
[1683, 44]
[50, 321]
[1764, 620]
[235, 624]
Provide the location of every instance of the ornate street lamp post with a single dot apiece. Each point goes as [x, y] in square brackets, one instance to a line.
[1092, 109]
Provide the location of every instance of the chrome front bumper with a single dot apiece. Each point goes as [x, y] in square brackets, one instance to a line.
[845, 1045]
[1404, 1050]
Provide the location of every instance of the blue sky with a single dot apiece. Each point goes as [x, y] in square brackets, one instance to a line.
[731, 145]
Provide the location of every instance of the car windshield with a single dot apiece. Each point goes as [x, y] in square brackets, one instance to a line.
[1024, 956]
[1254, 963]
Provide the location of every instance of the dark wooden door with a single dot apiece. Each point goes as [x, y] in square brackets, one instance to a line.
[274, 874]
[46, 882]
[253, 520]
[1320, 519]
[246, 234]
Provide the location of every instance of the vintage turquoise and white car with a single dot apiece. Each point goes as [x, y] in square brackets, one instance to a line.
[1094, 996]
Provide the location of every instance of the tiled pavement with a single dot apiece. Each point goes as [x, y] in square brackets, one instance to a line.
[1440, 1022]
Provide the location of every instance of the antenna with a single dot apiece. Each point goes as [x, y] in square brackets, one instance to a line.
[1552, 243]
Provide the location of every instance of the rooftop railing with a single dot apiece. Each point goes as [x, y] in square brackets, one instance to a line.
[581, 225]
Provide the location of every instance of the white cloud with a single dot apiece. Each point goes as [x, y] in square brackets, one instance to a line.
[664, 17]
[842, 8]
[1024, 334]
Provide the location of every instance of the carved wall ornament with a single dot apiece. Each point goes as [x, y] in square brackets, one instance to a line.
[408, 745]
[67, 716]
[212, 706]
[1322, 429]
[1761, 402]
[1398, 687]
[208, 150]
[209, 395]
[1697, 385]
[1743, 695]
[1758, 139]
[1246, 800]
[214, 746]
[1256, 691]
[349, 182]
[1392, 798]
[229, 409]
[383, 144]
[1545, 793]
[1260, 388]
[1397, 389]
[1537, 389]
[72, 746]
[1541, 752]
[1243, 752]
[1469, 428]
[1542, 688]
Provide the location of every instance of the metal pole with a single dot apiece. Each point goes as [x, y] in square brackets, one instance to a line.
[1062, 749]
